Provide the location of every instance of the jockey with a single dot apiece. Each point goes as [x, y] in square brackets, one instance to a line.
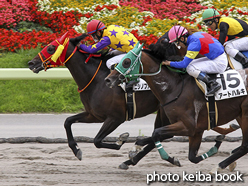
[114, 36]
[232, 28]
[215, 60]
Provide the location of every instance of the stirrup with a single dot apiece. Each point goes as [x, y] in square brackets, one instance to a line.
[214, 89]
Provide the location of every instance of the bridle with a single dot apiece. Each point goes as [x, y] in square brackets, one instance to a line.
[58, 58]
[55, 60]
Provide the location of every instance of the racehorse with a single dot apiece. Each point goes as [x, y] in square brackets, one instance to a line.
[102, 104]
[183, 102]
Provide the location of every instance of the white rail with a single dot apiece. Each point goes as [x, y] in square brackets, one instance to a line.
[27, 74]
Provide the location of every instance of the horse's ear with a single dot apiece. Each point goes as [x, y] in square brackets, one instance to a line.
[137, 45]
[62, 38]
[140, 48]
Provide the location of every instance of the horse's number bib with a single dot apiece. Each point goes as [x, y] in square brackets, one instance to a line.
[232, 85]
[141, 86]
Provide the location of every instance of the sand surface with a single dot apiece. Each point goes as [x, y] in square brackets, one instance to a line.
[36, 164]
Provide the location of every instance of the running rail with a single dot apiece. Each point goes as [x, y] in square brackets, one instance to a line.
[27, 74]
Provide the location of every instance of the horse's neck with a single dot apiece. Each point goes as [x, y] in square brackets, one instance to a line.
[87, 73]
[166, 81]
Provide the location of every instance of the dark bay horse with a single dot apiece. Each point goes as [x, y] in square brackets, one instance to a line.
[102, 104]
[185, 105]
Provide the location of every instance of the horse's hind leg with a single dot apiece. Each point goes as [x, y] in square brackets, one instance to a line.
[161, 120]
[243, 149]
[83, 117]
[238, 154]
[225, 131]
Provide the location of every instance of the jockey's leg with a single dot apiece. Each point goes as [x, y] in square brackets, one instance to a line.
[199, 68]
[212, 85]
[115, 60]
[234, 47]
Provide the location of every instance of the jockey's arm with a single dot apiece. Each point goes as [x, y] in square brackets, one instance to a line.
[105, 41]
[223, 32]
[190, 55]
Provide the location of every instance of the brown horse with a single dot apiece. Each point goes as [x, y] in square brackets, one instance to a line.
[184, 104]
[102, 104]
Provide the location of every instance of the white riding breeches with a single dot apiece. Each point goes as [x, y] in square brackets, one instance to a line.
[116, 59]
[215, 66]
[234, 46]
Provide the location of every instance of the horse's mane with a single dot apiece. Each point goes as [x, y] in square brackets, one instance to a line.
[163, 50]
[104, 55]
[76, 40]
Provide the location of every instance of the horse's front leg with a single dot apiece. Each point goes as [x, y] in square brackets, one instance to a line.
[165, 132]
[109, 125]
[135, 159]
[83, 117]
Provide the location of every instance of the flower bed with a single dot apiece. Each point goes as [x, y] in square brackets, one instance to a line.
[146, 19]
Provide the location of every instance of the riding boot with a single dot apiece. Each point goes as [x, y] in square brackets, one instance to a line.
[240, 57]
[212, 85]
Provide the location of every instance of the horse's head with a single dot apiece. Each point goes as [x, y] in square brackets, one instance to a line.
[128, 69]
[54, 54]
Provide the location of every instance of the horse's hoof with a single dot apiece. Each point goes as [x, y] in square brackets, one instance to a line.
[176, 162]
[79, 154]
[234, 126]
[220, 137]
[232, 166]
[122, 138]
[214, 170]
[123, 166]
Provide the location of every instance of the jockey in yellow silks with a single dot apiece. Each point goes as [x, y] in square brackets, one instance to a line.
[231, 28]
[114, 36]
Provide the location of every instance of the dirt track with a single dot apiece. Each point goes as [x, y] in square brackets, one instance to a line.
[54, 164]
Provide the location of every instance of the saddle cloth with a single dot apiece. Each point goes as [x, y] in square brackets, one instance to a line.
[130, 97]
[232, 85]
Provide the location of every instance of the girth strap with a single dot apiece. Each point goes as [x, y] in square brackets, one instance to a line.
[131, 105]
[212, 110]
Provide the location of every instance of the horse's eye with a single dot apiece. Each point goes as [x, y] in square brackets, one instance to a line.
[51, 49]
[126, 63]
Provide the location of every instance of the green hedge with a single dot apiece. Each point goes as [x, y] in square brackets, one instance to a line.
[25, 96]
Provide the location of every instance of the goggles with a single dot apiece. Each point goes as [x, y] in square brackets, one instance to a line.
[176, 43]
[209, 23]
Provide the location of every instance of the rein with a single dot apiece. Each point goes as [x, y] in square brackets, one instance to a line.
[131, 68]
[90, 55]
[91, 78]
[56, 56]
[138, 63]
